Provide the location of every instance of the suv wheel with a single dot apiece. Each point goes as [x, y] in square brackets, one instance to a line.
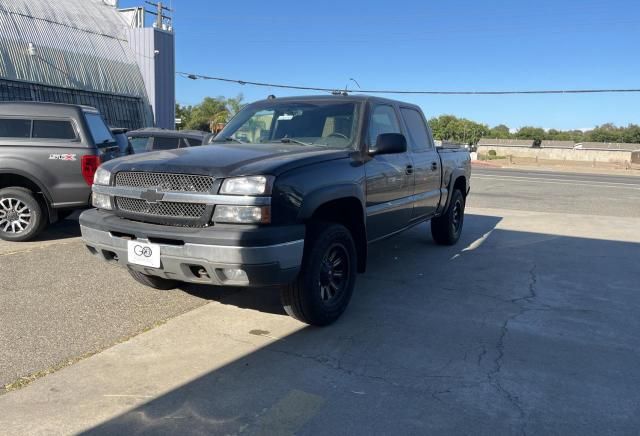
[446, 229]
[21, 215]
[153, 281]
[325, 284]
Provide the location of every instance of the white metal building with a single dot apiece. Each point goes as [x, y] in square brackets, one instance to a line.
[79, 51]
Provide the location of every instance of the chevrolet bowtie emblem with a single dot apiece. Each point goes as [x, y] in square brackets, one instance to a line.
[152, 196]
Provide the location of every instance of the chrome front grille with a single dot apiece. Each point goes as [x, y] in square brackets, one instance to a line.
[165, 181]
[164, 212]
[161, 209]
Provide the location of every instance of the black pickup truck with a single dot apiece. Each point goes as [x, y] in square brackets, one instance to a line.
[48, 155]
[291, 193]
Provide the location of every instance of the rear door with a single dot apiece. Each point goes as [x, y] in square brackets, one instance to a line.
[426, 163]
[389, 178]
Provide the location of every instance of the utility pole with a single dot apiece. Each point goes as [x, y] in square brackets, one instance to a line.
[159, 16]
[160, 10]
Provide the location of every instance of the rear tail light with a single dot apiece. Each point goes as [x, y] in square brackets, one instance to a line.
[89, 166]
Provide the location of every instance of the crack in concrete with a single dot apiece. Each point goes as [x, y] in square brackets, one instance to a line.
[494, 375]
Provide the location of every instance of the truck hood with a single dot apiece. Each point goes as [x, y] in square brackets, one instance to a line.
[227, 160]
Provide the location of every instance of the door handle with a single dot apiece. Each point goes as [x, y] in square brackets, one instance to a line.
[409, 169]
[434, 166]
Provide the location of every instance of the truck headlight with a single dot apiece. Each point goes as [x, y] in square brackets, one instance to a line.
[102, 177]
[101, 201]
[242, 214]
[251, 185]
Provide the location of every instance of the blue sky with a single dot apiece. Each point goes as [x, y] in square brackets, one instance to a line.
[424, 45]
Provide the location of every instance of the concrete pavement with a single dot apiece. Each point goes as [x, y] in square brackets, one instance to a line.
[529, 326]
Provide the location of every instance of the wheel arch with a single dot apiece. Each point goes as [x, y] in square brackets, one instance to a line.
[17, 178]
[349, 212]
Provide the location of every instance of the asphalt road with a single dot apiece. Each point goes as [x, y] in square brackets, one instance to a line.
[528, 326]
[573, 193]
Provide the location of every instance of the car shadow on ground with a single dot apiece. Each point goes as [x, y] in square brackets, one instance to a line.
[63, 229]
[508, 332]
[268, 299]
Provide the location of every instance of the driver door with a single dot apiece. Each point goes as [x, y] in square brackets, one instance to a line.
[389, 179]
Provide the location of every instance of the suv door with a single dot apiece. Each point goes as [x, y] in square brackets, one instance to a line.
[389, 178]
[426, 164]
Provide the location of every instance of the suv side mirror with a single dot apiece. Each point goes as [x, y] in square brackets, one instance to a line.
[389, 143]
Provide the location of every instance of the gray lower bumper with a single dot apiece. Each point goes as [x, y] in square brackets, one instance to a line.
[196, 263]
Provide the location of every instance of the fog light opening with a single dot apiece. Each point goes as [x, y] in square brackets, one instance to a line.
[234, 275]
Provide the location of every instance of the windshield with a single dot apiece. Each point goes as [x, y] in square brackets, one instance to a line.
[327, 124]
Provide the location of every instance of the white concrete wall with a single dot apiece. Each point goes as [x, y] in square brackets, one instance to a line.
[559, 154]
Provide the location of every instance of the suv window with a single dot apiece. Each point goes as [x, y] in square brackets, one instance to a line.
[417, 127]
[383, 120]
[99, 130]
[14, 128]
[53, 129]
[165, 143]
[139, 143]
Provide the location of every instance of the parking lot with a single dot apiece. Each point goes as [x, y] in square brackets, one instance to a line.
[529, 325]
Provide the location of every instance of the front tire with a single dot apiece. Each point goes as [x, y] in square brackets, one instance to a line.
[323, 288]
[447, 228]
[154, 281]
[22, 216]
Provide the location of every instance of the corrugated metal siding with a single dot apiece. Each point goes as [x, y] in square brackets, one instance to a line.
[79, 44]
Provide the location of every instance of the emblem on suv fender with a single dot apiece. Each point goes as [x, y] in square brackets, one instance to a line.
[152, 196]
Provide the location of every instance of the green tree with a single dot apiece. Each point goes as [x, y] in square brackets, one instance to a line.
[631, 134]
[213, 111]
[184, 113]
[500, 132]
[460, 130]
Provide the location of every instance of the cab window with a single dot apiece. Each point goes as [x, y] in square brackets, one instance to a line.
[383, 120]
[417, 127]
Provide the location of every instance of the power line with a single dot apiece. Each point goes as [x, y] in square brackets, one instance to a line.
[416, 92]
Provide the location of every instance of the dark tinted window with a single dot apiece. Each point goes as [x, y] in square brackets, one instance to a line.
[50, 129]
[99, 130]
[11, 128]
[164, 143]
[383, 120]
[139, 143]
[417, 129]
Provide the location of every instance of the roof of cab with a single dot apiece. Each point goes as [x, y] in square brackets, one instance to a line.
[340, 97]
[44, 109]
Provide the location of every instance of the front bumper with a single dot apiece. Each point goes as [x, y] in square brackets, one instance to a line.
[268, 255]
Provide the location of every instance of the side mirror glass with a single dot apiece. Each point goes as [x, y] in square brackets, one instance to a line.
[389, 143]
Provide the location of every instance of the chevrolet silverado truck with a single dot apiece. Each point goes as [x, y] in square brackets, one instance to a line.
[291, 193]
[49, 153]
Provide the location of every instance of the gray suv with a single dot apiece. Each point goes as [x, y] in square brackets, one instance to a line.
[49, 153]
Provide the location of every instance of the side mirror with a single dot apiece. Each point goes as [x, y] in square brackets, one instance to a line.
[389, 143]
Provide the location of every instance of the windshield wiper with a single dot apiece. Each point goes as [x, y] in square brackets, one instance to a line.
[295, 141]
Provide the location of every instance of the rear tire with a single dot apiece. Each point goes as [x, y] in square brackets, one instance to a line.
[153, 281]
[22, 216]
[323, 288]
[447, 228]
